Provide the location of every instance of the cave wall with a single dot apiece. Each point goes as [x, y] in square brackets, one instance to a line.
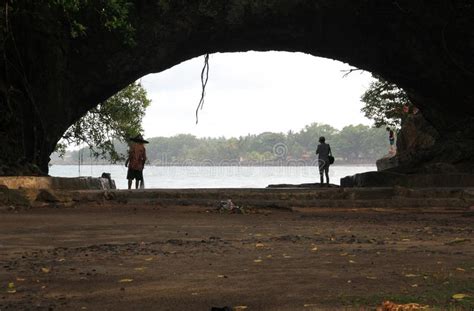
[53, 71]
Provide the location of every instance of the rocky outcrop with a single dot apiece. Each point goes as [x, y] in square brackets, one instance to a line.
[416, 136]
[59, 62]
[423, 159]
[422, 149]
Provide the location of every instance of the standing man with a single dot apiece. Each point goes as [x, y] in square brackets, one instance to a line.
[136, 162]
[323, 151]
[391, 140]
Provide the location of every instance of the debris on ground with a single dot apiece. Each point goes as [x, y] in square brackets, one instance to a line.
[11, 288]
[391, 306]
[227, 206]
[460, 296]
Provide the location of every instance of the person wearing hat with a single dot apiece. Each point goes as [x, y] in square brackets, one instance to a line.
[136, 162]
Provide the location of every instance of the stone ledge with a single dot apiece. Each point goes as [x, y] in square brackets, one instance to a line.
[378, 197]
[56, 183]
[391, 179]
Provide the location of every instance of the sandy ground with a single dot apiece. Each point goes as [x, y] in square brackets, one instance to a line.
[127, 257]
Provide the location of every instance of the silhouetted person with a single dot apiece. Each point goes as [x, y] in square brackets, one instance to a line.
[136, 162]
[323, 152]
[391, 140]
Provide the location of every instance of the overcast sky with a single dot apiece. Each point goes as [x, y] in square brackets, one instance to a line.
[254, 92]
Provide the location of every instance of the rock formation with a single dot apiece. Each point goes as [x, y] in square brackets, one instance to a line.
[61, 58]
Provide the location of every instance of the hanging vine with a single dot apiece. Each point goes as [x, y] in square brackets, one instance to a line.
[204, 79]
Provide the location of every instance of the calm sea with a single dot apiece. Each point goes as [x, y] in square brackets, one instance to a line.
[212, 176]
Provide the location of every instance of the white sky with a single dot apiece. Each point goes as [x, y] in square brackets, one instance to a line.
[254, 92]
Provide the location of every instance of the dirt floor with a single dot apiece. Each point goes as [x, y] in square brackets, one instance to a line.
[126, 257]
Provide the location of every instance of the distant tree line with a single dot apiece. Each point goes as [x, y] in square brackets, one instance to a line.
[353, 144]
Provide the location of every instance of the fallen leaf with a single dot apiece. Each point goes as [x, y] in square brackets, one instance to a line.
[460, 269]
[140, 269]
[410, 275]
[352, 261]
[257, 260]
[405, 240]
[269, 256]
[259, 245]
[149, 259]
[61, 259]
[20, 279]
[11, 288]
[45, 270]
[314, 249]
[414, 285]
[221, 276]
[307, 305]
[344, 254]
[238, 308]
[460, 296]
[125, 280]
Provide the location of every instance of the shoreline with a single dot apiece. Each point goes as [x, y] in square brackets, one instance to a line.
[238, 165]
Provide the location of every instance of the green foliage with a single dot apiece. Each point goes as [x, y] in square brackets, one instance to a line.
[356, 142]
[114, 15]
[118, 118]
[384, 103]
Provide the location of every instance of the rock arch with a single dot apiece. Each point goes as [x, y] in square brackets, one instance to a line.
[53, 70]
